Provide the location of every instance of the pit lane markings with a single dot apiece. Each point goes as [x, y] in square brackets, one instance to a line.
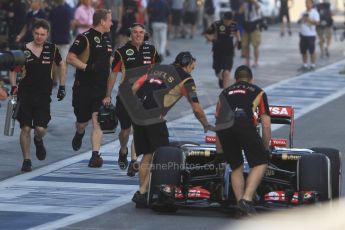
[49, 202]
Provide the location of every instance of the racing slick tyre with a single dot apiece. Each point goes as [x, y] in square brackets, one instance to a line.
[334, 156]
[166, 171]
[314, 174]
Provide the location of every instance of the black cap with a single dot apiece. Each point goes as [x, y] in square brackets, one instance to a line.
[184, 58]
[227, 15]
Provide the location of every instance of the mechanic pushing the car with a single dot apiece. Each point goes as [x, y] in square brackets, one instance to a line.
[147, 138]
[90, 54]
[133, 54]
[243, 99]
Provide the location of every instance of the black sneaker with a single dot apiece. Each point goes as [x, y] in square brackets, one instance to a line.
[140, 200]
[26, 167]
[133, 168]
[122, 160]
[77, 141]
[96, 160]
[246, 207]
[40, 149]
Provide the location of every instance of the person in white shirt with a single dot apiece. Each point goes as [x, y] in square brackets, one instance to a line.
[308, 21]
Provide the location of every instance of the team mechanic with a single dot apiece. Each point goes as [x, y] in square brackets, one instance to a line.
[147, 138]
[35, 89]
[243, 99]
[133, 54]
[221, 35]
[90, 54]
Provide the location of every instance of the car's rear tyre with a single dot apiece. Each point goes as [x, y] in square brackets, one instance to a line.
[167, 167]
[314, 174]
[334, 156]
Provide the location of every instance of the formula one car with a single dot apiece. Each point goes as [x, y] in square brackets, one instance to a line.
[183, 175]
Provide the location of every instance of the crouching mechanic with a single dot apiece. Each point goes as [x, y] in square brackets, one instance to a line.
[35, 89]
[90, 54]
[242, 100]
[147, 138]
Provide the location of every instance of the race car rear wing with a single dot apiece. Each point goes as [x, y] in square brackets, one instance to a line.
[282, 115]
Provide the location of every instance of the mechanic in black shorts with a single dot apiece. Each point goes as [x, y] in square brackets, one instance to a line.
[35, 89]
[243, 99]
[284, 12]
[147, 138]
[90, 54]
[129, 16]
[133, 54]
[221, 34]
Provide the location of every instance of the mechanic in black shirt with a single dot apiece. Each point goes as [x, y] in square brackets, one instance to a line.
[147, 138]
[133, 54]
[243, 99]
[90, 54]
[35, 89]
[221, 34]
[129, 16]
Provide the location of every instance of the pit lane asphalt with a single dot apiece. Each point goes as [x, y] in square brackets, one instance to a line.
[279, 60]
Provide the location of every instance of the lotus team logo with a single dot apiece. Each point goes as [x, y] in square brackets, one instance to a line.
[222, 28]
[170, 79]
[97, 39]
[129, 52]
[27, 53]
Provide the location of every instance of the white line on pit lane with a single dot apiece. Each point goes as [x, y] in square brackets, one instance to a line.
[114, 203]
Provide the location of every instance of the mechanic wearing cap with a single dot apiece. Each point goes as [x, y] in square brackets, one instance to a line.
[90, 54]
[221, 35]
[147, 138]
[243, 99]
[134, 53]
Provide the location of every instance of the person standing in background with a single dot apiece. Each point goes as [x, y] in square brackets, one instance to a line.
[176, 15]
[83, 16]
[15, 16]
[324, 29]
[308, 21]
[285, 5]
[34, 13]
[159, 15]
[252, 33]
[190, 17]
[60, 19]
[129, 16]
[116, 14]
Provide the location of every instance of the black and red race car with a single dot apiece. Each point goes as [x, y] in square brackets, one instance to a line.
[182, 174]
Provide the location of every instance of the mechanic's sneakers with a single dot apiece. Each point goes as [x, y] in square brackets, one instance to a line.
[40, 149]
[140, 200]
[122, 160]
[77, 141]
[246, 208]
[26, 167]
[133, 168]
[96, 160]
